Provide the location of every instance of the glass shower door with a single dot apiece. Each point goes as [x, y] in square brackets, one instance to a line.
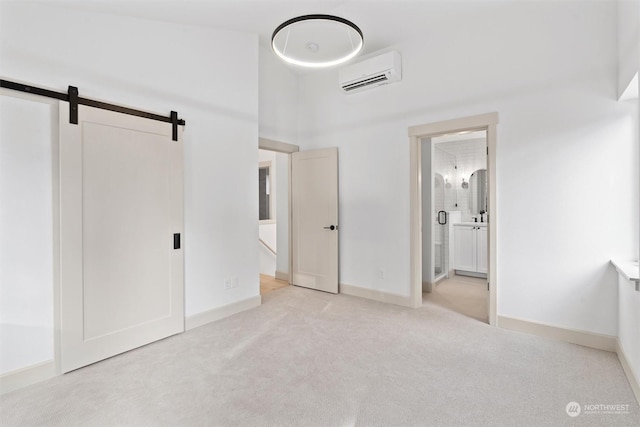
[439, 241]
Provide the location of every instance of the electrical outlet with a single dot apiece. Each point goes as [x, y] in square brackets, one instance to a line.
[230, 282]
[381, 273]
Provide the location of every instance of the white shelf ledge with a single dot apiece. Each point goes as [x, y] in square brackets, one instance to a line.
[629, 270]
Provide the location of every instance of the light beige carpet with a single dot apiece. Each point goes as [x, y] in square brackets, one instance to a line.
[307, 358]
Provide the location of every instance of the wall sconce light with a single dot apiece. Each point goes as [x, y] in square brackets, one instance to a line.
[465, 184]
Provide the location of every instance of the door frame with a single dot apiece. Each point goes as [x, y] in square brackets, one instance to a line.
[488, 123]
[286, 148]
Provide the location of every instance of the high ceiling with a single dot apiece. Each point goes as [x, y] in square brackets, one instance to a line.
[383, 22]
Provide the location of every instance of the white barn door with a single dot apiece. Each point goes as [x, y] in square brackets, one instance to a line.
[121, 202]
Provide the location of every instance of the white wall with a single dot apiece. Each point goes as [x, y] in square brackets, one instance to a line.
[628, 47]
[566, 155]
[210, 77]
[628, 42]
[628, 320]
[278, 90]
[26, 230]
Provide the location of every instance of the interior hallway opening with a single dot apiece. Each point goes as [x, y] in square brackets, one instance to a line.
[463, 294]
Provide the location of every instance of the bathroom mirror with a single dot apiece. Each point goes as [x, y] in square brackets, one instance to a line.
[478, 192]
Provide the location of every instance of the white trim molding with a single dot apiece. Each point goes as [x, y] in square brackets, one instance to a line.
[372, 294]
[27, 376]
[415, 220]
[218, 313]
[632, 377]
[277, 146]
[454, 125]
[574, 336]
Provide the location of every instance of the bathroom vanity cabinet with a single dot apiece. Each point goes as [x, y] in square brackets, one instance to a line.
[470, 249]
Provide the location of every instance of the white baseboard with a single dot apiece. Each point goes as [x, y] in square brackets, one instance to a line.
[587, 339]
[218, 313]
[385, 297]
[632, 377]
[27, 376]
[282, 276]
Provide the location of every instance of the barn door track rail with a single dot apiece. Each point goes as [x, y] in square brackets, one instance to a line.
[73, 98]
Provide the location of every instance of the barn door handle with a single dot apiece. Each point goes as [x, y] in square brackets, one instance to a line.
[176, 241]
[331, 227]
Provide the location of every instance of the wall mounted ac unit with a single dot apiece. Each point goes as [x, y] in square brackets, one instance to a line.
[372, 72]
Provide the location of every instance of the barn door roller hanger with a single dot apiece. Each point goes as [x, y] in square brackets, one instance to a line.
[73, 98]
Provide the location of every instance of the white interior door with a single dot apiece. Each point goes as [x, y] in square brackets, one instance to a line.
[121, 202]
[314, 206]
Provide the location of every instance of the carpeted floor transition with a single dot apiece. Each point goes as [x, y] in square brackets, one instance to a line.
[307, 358]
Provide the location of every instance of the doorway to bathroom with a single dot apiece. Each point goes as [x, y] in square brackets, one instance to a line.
[453, 211]
[455, 199]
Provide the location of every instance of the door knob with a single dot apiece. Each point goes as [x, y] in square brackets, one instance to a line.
[331, 227]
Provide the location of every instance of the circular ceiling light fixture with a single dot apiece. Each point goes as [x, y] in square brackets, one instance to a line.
[317, 40]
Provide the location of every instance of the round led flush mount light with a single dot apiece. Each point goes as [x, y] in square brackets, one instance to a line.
[317, 40]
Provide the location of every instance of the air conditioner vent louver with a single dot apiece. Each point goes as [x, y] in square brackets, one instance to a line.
[372, 72]
[370, 81]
